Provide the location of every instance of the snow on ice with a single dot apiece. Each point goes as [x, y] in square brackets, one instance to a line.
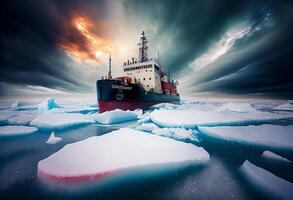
[122, 149]
[53, 139]
[270, 185]
[192, 119]
[267, 137]
[115, 116]
[16, 130]
[60, 120]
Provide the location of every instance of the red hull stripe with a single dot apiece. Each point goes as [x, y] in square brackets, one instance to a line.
[123, 105]
[95, 176]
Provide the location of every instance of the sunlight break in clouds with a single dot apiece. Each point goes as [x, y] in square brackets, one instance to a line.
[220, 48]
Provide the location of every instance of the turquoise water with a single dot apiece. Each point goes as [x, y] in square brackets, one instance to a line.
[20, 155]
[219, 179]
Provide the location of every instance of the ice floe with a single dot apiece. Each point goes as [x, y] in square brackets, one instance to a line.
[236, 107]
[192, 119]
[115, 116]
[267, 137]
[272, 156]
[21, 119]
[267, 183]
[60, 120]
[16, 130]
[146, 127]
[119, 150]
[53, 139]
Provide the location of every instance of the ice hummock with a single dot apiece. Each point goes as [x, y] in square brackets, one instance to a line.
[236, 107]
[269, 184]
[116, 116]
[48, 104]
[60, 120]
[148, 127]
[194, 118]
[16, 130]
[53, 139]
[267, 137]
[119, 150]
[176, 133]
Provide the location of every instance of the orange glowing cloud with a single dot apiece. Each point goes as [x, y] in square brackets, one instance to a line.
[83, 43]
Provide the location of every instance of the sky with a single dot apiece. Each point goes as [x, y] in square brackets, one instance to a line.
[211, 47]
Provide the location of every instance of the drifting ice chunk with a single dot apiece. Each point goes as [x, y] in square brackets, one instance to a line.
[60, 120]
[272, 156]
[164, 106]
[192, 119]
[266, 182]
[48, 104]
[146, 127]
[16, 130]
[267, 137]
[118, 150]
[176, 133]
[236, 107]
[115, 116]
[53, 139]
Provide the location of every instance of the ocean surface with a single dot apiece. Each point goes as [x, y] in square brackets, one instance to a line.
[219, 179]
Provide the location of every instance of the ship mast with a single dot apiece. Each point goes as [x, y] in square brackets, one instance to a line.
[109, 72]
[143, 56]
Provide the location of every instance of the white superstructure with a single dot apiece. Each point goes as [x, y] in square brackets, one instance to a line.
[145, 71]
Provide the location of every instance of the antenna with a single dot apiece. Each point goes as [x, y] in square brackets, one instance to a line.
[143, 48]
[109, 72]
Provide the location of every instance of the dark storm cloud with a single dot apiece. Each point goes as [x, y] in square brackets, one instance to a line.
[260, 63]
[30, 34]
[197, 25]
[257, 63]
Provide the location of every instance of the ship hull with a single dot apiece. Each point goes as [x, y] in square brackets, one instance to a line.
[114, 94]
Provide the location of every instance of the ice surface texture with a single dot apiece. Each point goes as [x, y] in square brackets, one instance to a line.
[267, 137]
[192, 119]
[16, 130]
[60, 120]
[118, 150]
[270, 185]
